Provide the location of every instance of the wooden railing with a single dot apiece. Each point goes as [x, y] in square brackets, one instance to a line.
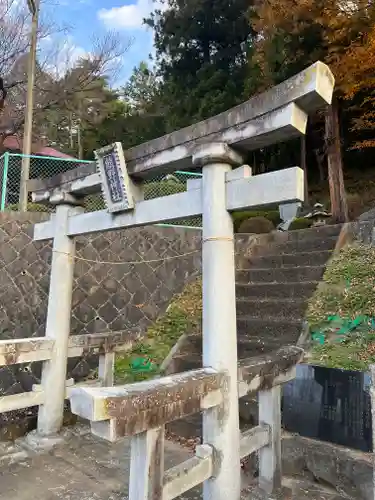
[141, 411]
[18, 351]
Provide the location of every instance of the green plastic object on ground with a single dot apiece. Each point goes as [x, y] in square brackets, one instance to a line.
[318, 337]
[343, 327]
[142, 365]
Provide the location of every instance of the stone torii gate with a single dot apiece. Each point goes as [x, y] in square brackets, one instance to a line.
[217, 146]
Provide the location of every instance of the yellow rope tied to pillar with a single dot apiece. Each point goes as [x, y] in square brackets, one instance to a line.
[162, 259]
[172, 257]
[218, 238]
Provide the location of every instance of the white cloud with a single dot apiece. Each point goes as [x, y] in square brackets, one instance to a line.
[129, 16]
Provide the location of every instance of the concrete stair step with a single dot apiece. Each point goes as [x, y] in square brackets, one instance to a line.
[296, 246]
[269, 308]
[276, 290]
[315, 258]
[246, 347]
[280, 275]
[313, 233]
[187, 362]
[287, 331]
[255, 346]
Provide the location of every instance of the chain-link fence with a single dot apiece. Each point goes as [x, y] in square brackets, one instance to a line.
[40, 167]
[162, 185]
[45, 166]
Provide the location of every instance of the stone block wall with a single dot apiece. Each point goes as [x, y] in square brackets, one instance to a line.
[106, 296]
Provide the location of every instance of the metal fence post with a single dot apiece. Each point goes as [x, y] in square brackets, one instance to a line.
[4, 182]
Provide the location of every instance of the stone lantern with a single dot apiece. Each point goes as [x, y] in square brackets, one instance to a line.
[318, 215]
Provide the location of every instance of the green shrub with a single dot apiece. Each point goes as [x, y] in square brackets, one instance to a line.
[256, 225]
[31, 207]
[240, 217]
[300, 223]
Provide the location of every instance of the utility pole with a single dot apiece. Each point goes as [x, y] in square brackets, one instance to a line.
[79, 134]
[27, 137]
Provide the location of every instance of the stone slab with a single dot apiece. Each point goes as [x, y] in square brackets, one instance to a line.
[345, 470]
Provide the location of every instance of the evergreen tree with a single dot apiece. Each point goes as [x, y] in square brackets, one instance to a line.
[201, 54]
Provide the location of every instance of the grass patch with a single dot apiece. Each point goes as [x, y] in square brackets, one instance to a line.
[347, 292]
[356, 352]
[182, 316]
[349, 287]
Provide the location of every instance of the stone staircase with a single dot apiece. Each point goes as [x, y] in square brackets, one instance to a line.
[273, 286]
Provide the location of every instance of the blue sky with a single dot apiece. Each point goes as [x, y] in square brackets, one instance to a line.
[90, 18]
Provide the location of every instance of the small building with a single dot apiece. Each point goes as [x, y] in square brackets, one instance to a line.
[13, 144]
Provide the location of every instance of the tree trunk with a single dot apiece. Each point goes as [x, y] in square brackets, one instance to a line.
[79, 132]
[339, 206]
[304, 168]
[79, 139]
[319, 160]
[71, 132]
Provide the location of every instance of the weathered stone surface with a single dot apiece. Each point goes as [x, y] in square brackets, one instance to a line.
[262, 372]
[140, 406]
[296, 490]
[346, 470]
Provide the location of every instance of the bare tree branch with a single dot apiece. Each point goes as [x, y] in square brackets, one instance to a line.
[65, 74]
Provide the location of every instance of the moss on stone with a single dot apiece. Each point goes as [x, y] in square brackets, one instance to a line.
[183, 315]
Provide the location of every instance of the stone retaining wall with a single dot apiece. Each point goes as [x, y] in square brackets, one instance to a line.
[106, 297]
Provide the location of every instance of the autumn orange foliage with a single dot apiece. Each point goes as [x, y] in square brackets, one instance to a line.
[345, 32]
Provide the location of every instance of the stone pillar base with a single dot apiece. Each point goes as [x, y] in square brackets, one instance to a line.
[37, 443]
